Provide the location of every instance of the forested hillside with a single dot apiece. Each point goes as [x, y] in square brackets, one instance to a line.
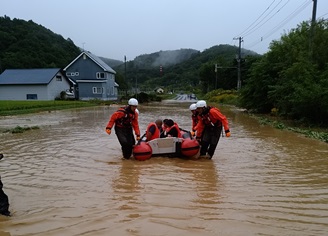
[180, 70]
[25, 44]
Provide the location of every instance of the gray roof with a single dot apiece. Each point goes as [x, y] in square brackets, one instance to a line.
[28, 76]
[96, 59]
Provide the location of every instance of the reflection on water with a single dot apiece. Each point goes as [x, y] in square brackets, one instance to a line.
[68, 178]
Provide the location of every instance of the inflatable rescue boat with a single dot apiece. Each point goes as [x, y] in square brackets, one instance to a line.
[185, 147]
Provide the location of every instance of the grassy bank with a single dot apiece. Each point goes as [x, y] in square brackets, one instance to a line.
[229, 97]
[8, 108]
[283, 124]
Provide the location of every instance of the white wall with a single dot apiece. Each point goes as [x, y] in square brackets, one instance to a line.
[55, 87]
[44, 92]
[18, 92]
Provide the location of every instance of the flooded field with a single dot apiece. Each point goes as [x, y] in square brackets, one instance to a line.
[69, 178]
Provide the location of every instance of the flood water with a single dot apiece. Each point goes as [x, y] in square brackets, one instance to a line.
[68, 178]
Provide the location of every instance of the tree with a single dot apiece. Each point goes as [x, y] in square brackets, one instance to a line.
[25, 44]
[292, 77]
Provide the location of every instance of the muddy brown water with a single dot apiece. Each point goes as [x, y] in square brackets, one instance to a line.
[68, 178]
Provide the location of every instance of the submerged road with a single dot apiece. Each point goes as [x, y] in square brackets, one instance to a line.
[186, 98]
[69, 178]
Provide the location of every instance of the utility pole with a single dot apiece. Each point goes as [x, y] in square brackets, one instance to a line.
[126, 81]
[314, 11]
[314, 16]
[239, 62]
[216, 76]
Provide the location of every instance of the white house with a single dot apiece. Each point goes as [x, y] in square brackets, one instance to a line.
[33, 84]
[159, 90]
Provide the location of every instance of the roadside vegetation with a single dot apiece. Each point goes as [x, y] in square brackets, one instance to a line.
[283, 124]
[288, 87]
[291, 80]
[229, 97]
[273, 119]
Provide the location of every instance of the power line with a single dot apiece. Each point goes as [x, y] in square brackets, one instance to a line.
[281, 24]
[286, 20]
[256, 20]
[248, 33]
[322, 16]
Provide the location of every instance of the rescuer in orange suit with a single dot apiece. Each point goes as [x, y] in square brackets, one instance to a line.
[154, 130]
[124, 120]
[194, 118]
[209, 128]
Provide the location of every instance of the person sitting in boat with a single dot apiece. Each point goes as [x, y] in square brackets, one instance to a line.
[154, 130]
[194, 119]
[124, 120]
[171, 129]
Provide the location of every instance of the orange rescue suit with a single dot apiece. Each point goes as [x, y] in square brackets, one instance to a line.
[175, 126]
[194, 118]
[124, 119]
[155, 135]
[211, 118]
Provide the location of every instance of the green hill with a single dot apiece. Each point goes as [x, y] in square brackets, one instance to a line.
[25, 44]
[181, 70]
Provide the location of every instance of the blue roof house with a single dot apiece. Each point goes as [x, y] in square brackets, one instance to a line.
[33, 84]
[94, 78]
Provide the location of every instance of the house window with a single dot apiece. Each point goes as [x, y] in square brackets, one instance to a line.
[100, 75]
[97, 90]
[31, 97]
[58, 78]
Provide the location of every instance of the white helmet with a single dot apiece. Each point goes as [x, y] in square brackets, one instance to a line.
[201, 103]
[193, 107]
[133, 102]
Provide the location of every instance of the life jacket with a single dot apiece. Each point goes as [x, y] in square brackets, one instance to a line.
[156, 133]
[126, 120]
[206, 118]
[175, 126]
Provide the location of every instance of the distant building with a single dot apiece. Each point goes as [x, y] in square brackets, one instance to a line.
[159, 90]
[33, 84]
[93, 77]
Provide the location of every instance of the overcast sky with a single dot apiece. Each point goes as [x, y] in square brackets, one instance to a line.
[115, 28]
